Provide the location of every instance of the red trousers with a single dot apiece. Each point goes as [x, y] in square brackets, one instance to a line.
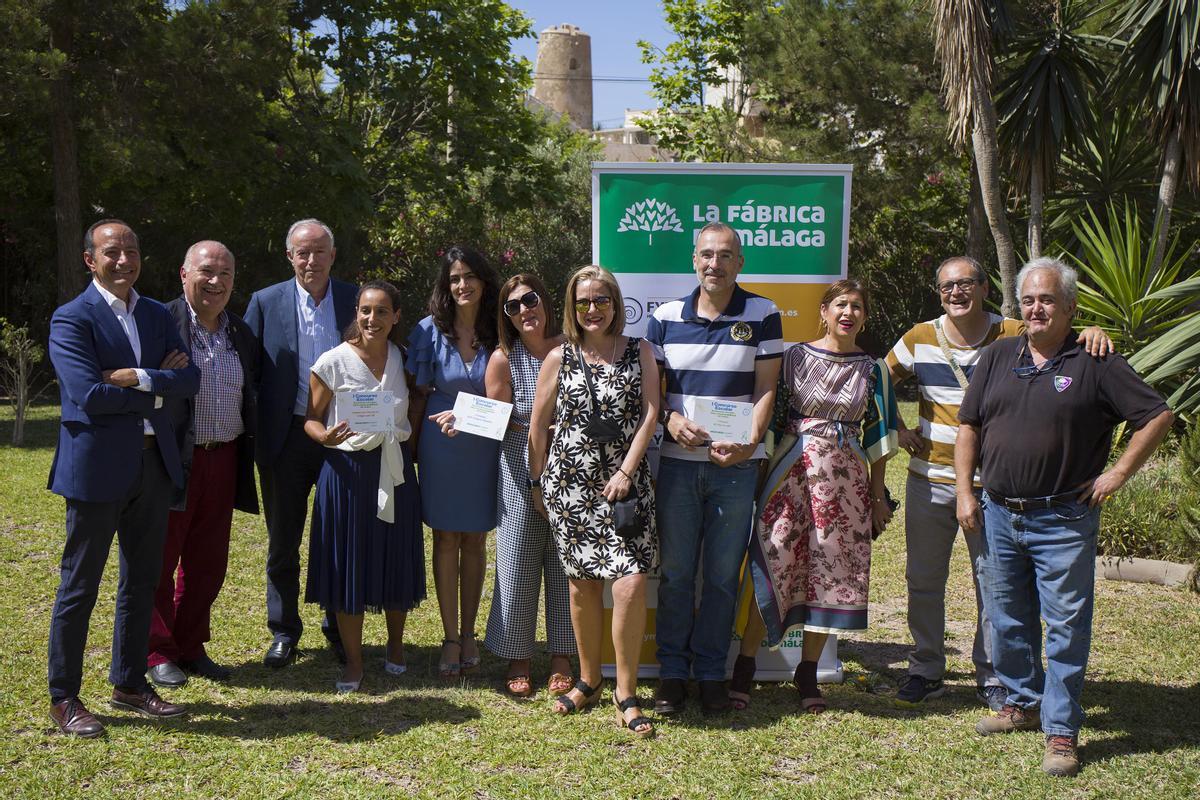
[198, 546]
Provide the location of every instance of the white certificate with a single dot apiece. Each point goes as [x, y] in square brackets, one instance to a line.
[725, 420]
[481, 416]
[366, 412]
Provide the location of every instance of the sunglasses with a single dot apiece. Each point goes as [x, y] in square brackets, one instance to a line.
[1030, 371]
[529, 300]
[601, 302]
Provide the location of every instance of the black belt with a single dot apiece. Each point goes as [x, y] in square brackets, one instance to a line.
[1030, 503]
[147, 441]
[213, 445]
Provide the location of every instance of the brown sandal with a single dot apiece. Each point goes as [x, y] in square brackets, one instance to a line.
[519, 686]
[560, 684]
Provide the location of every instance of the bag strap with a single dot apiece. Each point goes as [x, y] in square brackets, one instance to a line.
[587, 378]
[959, 375]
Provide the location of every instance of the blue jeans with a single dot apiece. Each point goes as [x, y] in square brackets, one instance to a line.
[700, 507]
[1034, 565]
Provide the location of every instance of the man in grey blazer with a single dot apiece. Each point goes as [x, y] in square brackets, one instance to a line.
[295, 321]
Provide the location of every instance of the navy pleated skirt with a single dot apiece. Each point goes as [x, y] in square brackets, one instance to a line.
[356, 561]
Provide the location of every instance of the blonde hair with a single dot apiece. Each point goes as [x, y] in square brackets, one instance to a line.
[592, 272]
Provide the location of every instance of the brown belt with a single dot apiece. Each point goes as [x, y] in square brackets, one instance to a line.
[148, 441]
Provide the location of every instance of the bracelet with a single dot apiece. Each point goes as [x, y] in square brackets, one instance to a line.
[626, 474]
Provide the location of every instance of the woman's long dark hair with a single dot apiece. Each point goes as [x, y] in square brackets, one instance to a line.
[396, 334]
[442, 305]
[508, 331]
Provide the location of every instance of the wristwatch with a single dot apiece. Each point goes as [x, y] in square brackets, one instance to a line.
[664, 416]
[535, 483]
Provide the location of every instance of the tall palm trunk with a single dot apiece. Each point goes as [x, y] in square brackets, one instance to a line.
[1037, 197]
[978, 246]
[1167, 186]
[986, 147]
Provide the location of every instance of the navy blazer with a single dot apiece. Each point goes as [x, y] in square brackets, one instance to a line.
[271, 316]
[183, 411]
[100, 439]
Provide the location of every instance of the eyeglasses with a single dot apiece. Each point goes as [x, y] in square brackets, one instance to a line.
[1030, 371]
[529, 300]
[601, 302]
[966, 285]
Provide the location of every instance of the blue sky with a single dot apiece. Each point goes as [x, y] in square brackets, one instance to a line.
[615, 27]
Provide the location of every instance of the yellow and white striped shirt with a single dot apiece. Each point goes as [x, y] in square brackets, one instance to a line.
[919, 354]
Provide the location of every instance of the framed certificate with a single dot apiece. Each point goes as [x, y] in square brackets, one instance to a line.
[481, 416]
[725, 420]
[366, 412]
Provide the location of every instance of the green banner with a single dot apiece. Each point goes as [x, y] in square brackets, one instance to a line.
[789, 223]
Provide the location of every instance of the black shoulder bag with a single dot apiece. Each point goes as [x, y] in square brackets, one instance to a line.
[604, 430]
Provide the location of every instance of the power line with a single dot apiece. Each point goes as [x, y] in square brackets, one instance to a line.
[566, 76]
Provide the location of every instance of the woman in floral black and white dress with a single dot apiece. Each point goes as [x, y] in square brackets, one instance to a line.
[580, 478]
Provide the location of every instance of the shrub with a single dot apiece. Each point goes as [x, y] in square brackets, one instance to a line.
[1155, 514]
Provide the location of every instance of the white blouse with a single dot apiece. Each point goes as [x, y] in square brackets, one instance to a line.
[342, 370]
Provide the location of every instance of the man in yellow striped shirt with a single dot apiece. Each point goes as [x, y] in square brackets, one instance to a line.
[941, 354]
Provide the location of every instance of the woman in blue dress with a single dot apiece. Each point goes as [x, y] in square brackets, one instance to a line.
[448, 353]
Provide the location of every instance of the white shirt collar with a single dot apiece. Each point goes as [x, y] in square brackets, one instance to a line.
[114, 302]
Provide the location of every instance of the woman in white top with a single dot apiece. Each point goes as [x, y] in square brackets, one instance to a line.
[366, 548]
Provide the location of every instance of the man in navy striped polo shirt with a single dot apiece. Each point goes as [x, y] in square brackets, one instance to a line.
[719, 343]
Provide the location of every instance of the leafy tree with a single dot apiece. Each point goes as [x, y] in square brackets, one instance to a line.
[713, 48]
[1161, 63]
[1045, 100]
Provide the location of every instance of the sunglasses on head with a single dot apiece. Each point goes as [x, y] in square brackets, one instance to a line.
[529, 300]
[601, 302]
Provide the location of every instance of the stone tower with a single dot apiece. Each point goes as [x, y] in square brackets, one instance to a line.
[563, 73]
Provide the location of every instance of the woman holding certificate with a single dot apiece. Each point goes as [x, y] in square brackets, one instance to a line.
[448, 353]
[601, 391]
[366, 549]
[824, 500]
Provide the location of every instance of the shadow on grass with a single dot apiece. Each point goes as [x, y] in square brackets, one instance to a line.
[345, 718]
[1147, 718]
[41, 427]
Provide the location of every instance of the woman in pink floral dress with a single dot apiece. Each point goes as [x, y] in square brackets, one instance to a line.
[824, 496]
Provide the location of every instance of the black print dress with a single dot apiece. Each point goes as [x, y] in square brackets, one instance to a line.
[578, 468]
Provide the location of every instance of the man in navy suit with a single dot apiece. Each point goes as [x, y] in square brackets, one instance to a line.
[295, 322]
[216, 432]
[117, 356]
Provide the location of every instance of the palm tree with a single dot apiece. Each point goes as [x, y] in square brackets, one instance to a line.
[1161, 63]
[963, 32]
[1045, 100]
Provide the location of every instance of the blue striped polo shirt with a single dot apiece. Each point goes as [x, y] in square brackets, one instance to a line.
[712, 358]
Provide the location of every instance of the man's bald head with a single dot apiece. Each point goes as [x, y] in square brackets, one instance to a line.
[209, 247]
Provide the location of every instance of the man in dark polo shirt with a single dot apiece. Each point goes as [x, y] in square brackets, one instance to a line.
[1040, 413]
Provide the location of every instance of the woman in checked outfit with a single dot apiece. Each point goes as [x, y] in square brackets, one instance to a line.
[525, 550]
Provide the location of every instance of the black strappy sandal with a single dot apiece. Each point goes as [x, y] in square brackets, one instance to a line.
[564, 705]
[742, 682]
[639, 726]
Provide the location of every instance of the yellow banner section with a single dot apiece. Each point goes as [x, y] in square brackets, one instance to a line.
[799, 305]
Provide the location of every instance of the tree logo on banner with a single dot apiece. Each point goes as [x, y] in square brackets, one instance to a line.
[650, 215]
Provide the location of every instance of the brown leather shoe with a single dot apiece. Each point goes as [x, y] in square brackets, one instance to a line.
[74, 720]
[1009, 720]
[1062, 757]
[146, 702]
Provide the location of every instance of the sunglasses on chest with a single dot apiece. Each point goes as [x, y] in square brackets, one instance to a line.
[1028, 371]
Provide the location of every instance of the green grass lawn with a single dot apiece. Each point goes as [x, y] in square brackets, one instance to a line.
[285, 734]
